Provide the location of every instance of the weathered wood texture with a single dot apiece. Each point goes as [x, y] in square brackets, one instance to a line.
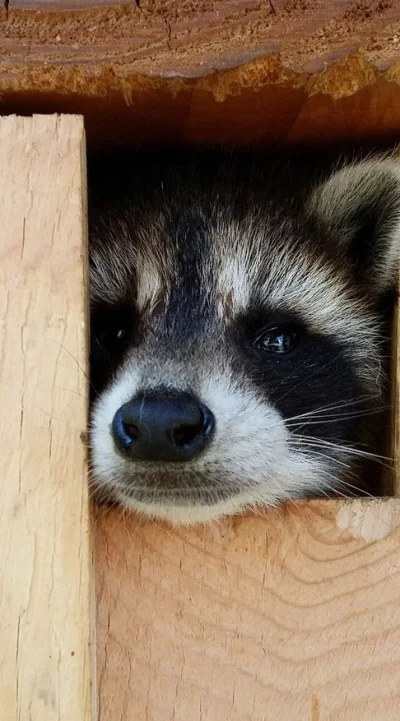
[193, 37]
[294, 616]
[45, 554]
[393, 480]
[151, 70]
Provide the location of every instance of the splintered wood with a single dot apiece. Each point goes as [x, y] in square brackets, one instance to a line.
[291, 616]
[152, 71]
[44, 523]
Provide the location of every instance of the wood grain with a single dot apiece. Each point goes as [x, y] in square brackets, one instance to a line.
[235, 71]
[192, 38]
[45, 555]
[394, 441]
[290, 616]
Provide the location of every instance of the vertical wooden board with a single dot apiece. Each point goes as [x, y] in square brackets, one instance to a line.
[395, 396]
[45, 554]
[290, 616]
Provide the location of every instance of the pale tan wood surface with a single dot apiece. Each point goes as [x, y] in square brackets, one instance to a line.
[45, 554]
[394, 450]
[294, 616]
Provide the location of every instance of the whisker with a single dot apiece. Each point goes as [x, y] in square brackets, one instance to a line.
[309, 442]
[305, 380]
[340, 417]
[346, 449]
[332, 407]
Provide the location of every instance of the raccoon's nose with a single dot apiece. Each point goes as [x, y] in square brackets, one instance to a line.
[162, 426]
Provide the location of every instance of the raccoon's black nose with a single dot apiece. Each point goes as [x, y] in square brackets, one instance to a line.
[162, 425]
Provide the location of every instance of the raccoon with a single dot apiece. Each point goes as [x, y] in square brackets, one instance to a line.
[240, 314]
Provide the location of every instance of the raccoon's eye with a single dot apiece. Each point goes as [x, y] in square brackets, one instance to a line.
[110, 327]
[105, 337]
[277, 339]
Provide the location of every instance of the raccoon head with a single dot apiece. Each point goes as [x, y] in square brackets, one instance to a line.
[236, 354]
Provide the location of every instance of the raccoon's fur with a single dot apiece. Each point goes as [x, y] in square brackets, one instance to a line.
[259, 285]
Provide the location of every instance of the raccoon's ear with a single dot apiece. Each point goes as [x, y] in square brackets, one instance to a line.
[360, 207]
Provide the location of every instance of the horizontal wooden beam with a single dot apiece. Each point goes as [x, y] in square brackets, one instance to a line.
[233, 71]
[192, 39]
[45, 548]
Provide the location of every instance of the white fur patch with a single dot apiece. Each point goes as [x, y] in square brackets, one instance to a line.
[149, 283]
[234, 268]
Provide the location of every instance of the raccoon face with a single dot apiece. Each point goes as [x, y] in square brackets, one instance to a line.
[236, 353]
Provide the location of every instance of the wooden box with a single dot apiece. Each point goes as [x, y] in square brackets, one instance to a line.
[291, 615]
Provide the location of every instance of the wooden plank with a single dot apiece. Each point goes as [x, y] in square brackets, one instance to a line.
[291, 616]
[190, 39]
[45, 554]
[226, 71]
[395, 403]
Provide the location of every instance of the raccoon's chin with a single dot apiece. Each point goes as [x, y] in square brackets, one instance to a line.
[190, 510]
